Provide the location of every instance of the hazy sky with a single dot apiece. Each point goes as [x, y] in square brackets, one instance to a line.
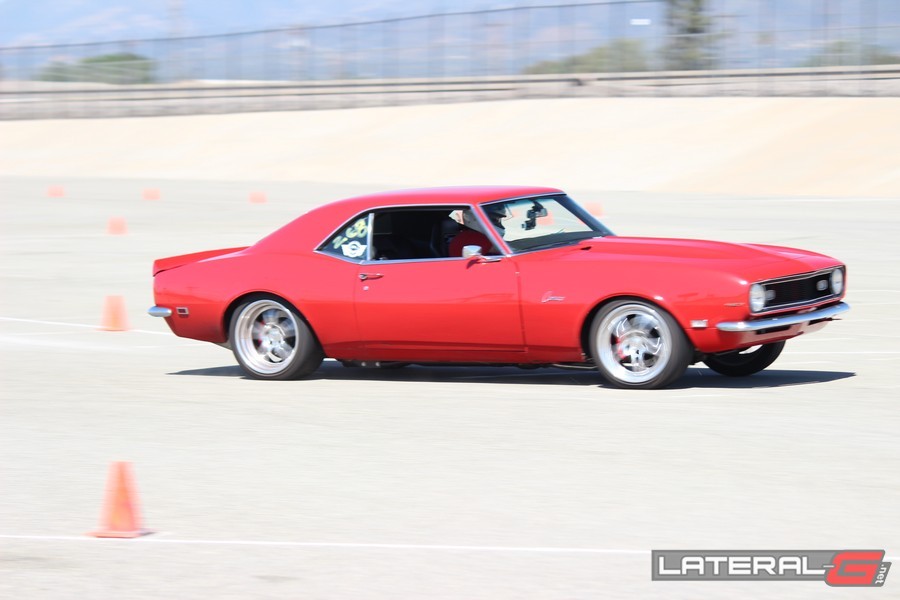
[35, 22]
[26, 22]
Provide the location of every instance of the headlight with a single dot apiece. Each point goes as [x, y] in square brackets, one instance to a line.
[837, 281]
[757, 297]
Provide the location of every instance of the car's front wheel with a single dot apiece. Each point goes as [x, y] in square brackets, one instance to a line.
[638, 345]
[271, 341]
[741, 363]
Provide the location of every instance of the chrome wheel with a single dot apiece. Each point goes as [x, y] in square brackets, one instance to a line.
[265, 337]
[638, 345]
[271, 340]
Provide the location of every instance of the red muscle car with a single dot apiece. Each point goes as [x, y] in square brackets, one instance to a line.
[494, 275]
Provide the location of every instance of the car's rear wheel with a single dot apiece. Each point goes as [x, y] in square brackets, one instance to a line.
[271, 341]
[638, 345]
[741, 363]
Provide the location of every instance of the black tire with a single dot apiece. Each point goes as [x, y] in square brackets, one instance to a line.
[741, 363]
[637, 345]
[271, 340]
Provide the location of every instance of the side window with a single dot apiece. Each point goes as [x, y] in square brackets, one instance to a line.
[471, 233]
[351, 241]
[415, 233]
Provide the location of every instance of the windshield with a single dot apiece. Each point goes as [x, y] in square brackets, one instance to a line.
[543, 222]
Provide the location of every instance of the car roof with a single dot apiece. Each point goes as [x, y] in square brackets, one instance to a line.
[444, 195]
[467, 193]
[312, 227]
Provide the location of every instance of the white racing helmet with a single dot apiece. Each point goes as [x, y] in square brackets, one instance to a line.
[495, 212]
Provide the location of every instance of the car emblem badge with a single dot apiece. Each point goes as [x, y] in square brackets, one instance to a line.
[549, 297]
[353, 250]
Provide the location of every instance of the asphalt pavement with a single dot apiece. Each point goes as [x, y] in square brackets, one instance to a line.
[424, 482]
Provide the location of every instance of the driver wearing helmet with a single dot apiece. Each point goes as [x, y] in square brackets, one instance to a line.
[472, 233]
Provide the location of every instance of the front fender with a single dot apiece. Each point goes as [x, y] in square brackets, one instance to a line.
[560, 298]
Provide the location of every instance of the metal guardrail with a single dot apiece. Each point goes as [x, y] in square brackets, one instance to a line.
[584, 48]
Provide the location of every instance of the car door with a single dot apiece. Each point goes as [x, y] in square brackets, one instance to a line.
[444, 308]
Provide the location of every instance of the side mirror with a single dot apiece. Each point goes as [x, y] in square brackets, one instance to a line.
[471, 251]
[475, 252]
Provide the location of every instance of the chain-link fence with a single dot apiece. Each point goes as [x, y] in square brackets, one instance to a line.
[624, 47]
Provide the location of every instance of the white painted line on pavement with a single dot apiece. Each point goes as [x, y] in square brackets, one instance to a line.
[820, 200]
[347, 545]
[23, 340]
[59, 236]
[82, 325]
[864, 303]
[788, 362]
[866, 352]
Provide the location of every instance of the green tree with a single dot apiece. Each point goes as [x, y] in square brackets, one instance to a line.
[120, 68]
[58, 71]
[691, 42]
[619, 55]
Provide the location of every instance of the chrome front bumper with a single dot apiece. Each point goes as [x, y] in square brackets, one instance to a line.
[785, 321]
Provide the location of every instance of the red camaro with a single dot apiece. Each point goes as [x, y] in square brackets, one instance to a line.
[494, 275]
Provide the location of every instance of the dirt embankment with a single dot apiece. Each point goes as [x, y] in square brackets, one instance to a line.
[841, 147]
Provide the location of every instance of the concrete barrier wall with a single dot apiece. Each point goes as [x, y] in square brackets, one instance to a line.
[831, 147]
[79, 100]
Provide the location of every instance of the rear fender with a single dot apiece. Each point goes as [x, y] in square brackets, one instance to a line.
[172, 262]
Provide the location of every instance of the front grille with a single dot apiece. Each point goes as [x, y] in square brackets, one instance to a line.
[798, 290]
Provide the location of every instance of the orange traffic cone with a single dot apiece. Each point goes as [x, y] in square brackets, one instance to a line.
[151, 194]
[121, 517]
[257, 198]
[114, 318]
[116, 226]
[55, 191]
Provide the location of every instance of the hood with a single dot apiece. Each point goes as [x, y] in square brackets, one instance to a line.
[752, 260]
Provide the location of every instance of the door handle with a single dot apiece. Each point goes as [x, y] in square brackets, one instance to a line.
[368, 276]
[481, 260]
